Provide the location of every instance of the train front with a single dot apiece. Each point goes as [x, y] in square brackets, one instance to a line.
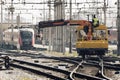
[26, 38]
[97, 45]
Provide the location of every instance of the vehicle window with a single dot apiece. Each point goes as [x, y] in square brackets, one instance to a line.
[26, 34]
[99, 34]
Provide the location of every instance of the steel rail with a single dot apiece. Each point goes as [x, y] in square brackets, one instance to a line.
[102, 70]
[74, 70]
[88, 62]
[38, 72]
[106, 65]
[78, 75]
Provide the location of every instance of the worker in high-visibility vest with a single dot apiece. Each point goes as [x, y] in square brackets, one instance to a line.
[95, 22]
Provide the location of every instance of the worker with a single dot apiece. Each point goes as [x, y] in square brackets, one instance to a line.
[95, 21]
[88, 30]
[89, 34]
[86, 27]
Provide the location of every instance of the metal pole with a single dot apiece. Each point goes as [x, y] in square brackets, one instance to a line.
[70, 44]
[44, 30]
[118, 25]
[1, 23]
[88, 17]
[8, 18]
[49, 28]
[12, 9]
[18, 20]
[63, 28]
[104, 12]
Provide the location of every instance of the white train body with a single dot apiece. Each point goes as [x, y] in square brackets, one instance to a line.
[22, 38]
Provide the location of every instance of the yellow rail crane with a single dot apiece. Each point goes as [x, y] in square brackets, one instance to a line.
[90, 41]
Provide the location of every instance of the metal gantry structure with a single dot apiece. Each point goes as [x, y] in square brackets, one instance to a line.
[67, 2]
[59, 13]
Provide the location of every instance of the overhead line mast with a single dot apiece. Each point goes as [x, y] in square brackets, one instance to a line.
[70, 44]
[118, 25]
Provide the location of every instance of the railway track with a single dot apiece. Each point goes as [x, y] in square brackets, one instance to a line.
[65, 72]
[102, 65]
[90, 61]
[95, 62]
[74, 70]
[75, 61]
[67, 59]
[101, 72]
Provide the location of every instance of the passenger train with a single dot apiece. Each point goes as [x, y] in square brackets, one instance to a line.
[22, 38]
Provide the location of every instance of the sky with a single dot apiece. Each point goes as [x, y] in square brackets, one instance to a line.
[28, 14]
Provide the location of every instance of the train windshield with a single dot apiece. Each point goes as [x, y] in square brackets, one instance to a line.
[26, 34]
[97, 35]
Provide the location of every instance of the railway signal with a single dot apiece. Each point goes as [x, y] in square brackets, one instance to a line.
[7, 63]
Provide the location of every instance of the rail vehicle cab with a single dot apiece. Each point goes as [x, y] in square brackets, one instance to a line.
[23, 38]
[96, 45]
[26, 38]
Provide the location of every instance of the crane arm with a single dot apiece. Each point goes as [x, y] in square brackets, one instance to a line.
[61, 22]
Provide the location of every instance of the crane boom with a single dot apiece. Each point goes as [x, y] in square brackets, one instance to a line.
[61, 22]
